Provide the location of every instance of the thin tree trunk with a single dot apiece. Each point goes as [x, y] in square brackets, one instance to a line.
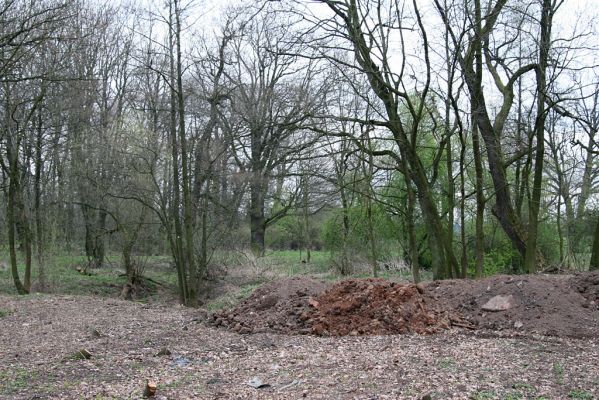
[180, 258]
[560, 233]
[531, 260]
[464, 252]
[306, 222]
[37, 204]
[480, 205]
[187, 204]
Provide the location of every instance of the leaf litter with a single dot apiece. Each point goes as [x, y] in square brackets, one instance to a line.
[493, 360]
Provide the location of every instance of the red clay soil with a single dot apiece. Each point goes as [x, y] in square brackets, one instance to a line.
[375, 307]
[556, 305]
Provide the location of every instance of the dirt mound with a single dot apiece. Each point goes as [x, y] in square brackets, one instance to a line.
[556, 305]
[587, 285]
[274, 307]
[375, 307]
[351, 307]
[546, 304]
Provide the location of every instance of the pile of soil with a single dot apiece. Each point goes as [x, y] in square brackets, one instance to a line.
[588, 286]
[276, 306]
[551, 305]
[375, 307]
[555, 305]
[350, 307]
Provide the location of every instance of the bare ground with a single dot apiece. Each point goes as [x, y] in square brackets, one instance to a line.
[40, 334]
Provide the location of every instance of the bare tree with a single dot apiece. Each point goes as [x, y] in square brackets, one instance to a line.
[276, 93]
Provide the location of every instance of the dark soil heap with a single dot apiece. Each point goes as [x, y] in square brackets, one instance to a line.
[274, 307]
[554, 305]
[588, 286]
[375, 307]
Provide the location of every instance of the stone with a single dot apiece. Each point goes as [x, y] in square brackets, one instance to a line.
[499, 303]
[518, 324]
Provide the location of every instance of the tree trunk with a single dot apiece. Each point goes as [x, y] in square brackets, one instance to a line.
[306, 223]
[368, 172]
[257, 193]
[480, 205]
[180, 258]
[503, 209]
[530, 259]
[13, 187]
[410, 227]
[257, 222]
[594, 265]
[37, 206]
[188, 220]
[463, 239]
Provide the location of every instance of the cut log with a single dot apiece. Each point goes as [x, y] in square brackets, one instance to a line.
[150, 389]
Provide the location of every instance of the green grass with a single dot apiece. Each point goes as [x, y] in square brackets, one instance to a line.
[514, 396]
[14, 380]
[62, 276]
[447, 363]
[484, 395]
[524, 386]
[231, 299]
[580, 395]
[558, 371]
[242, 269]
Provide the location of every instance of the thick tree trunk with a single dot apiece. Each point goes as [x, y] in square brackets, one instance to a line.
[594, 265]
[411, 230]
[13, 187]
[26, 237]
[587, 178]
[257, 221]
[258, 188]
[442, 255]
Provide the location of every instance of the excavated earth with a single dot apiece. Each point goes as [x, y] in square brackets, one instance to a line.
[552, 305]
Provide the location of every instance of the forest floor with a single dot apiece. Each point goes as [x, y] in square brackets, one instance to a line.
[313, 339]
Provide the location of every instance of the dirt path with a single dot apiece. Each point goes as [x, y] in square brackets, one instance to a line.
[40, 333]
